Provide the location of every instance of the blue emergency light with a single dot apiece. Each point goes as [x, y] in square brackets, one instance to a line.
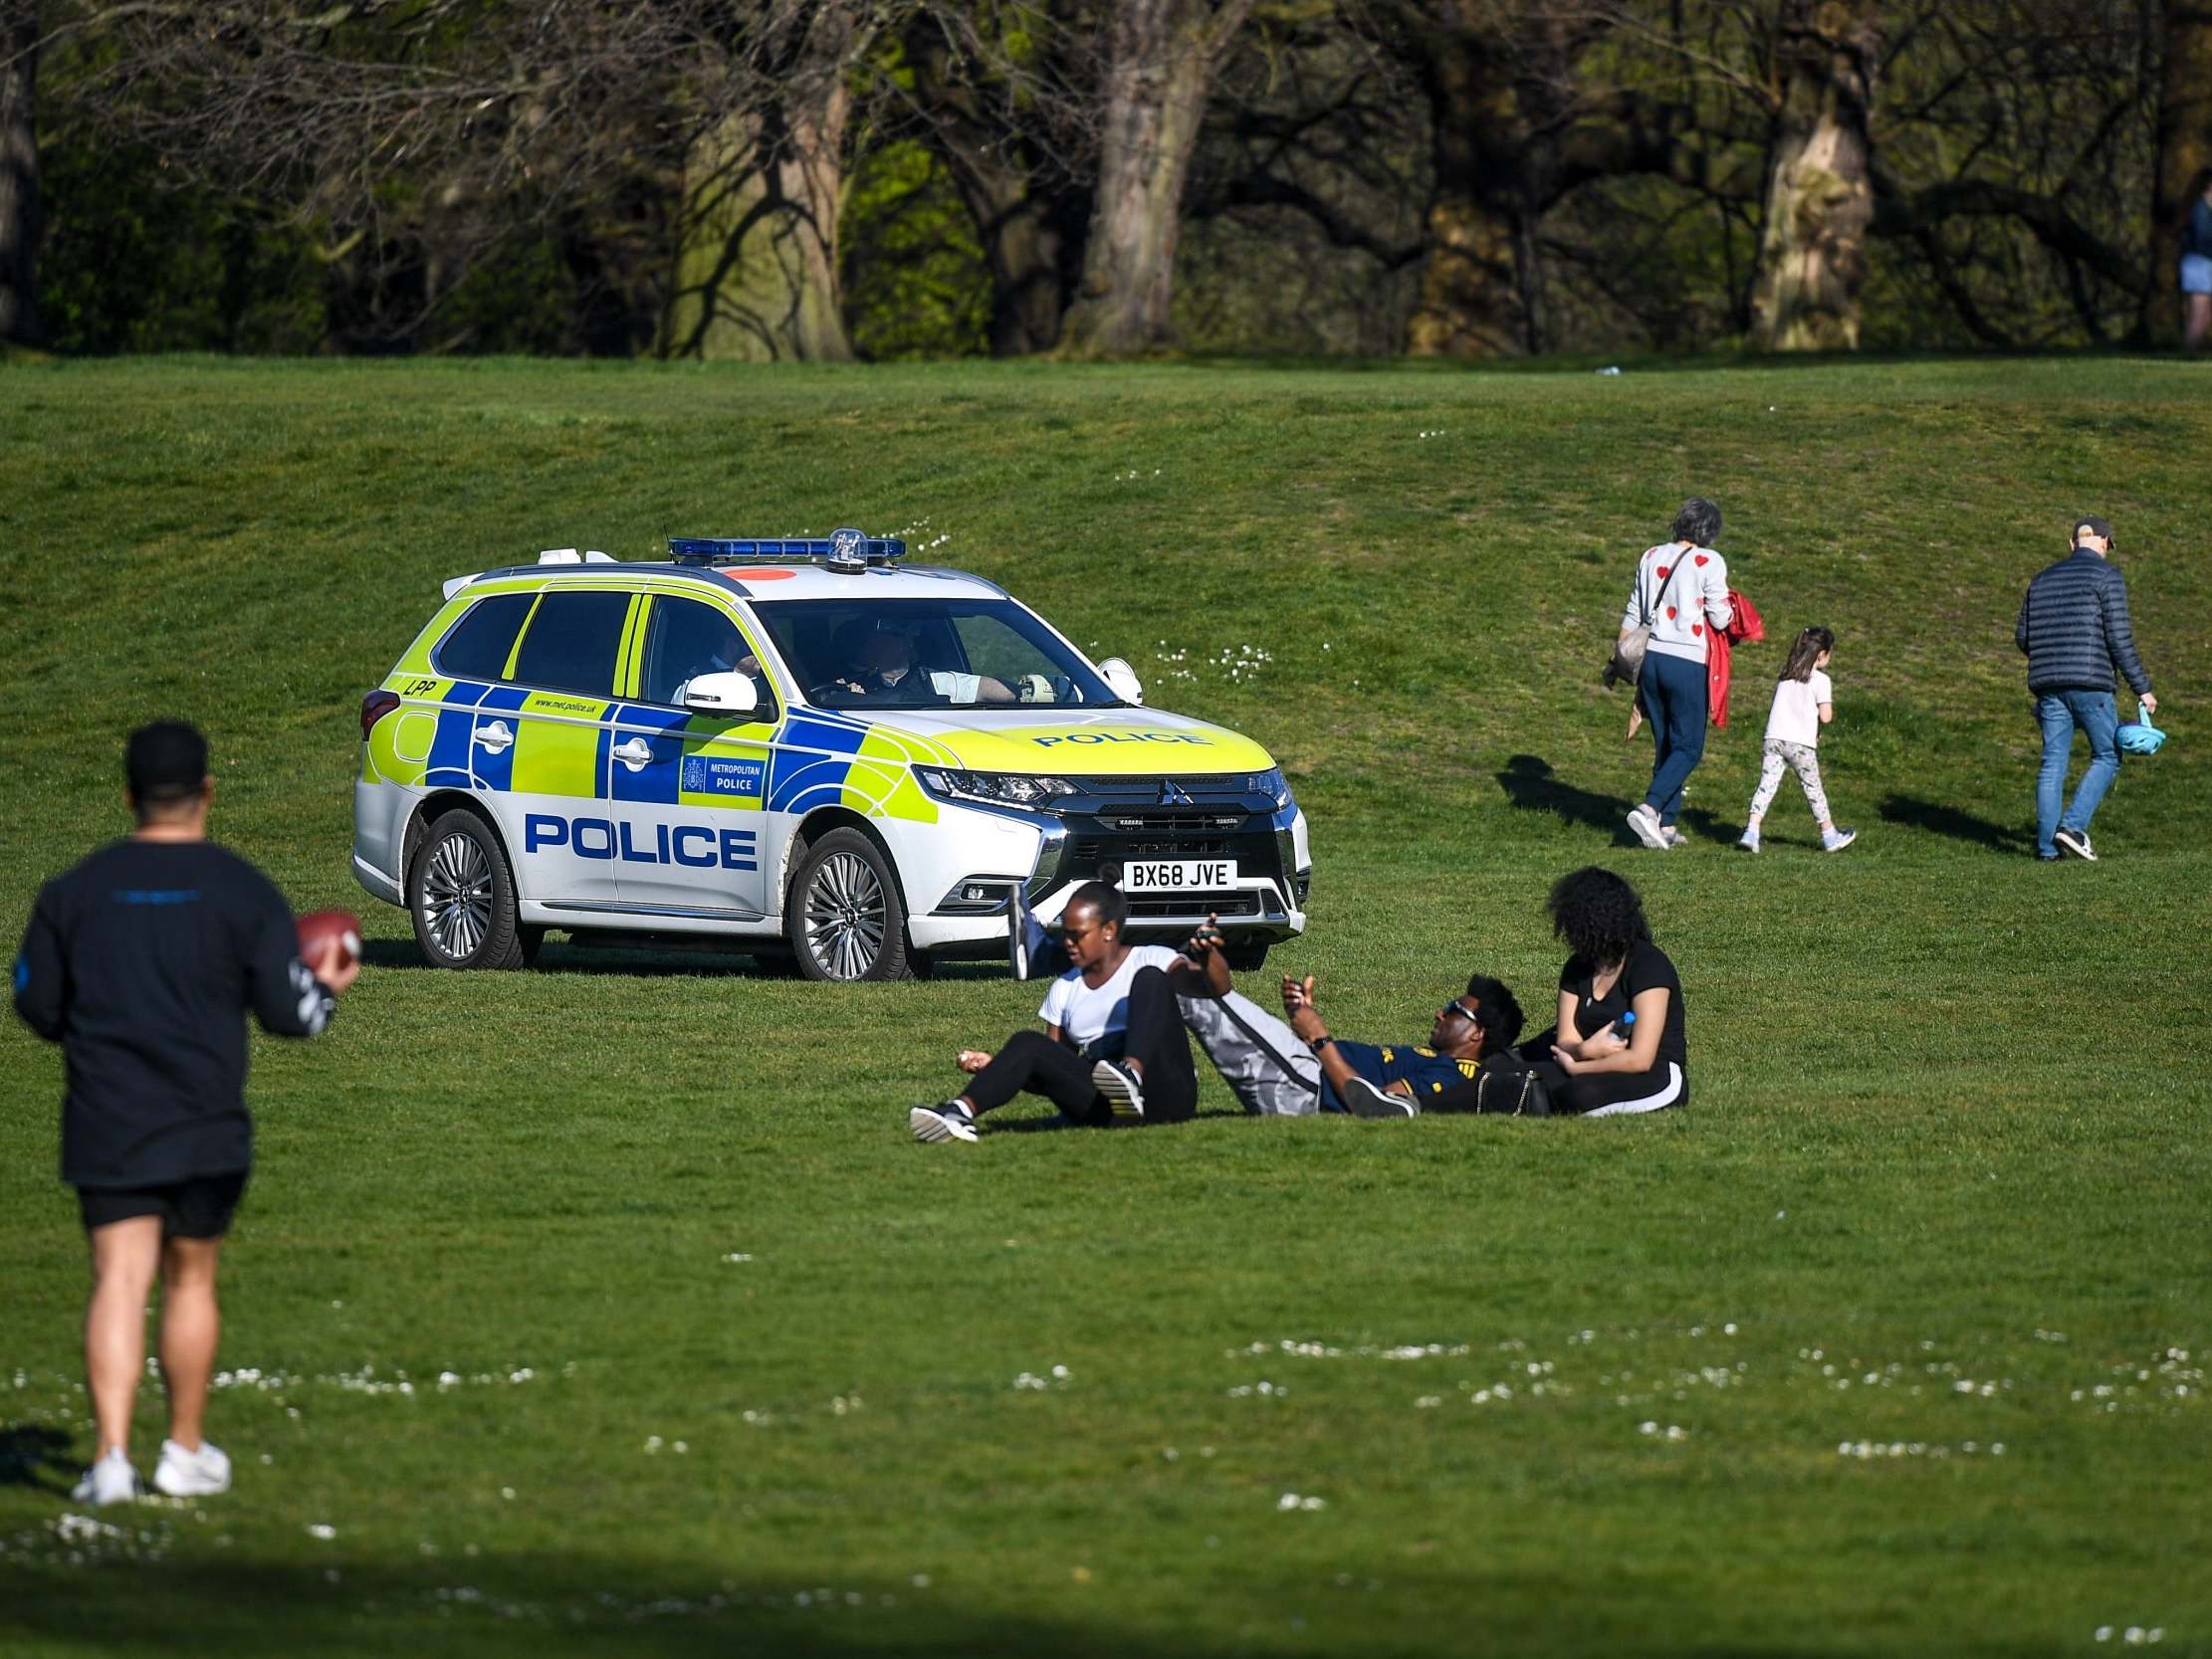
[845, 550]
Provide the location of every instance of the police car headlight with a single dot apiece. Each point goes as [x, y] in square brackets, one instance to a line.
[1272, 784]
[993, 788]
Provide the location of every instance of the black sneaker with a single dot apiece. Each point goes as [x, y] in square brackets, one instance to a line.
[2076, 842]
[1123, 1090]
[1363, 1100]
[947, 1122]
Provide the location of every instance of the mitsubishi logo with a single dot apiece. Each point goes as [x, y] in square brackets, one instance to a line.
[1172, 795]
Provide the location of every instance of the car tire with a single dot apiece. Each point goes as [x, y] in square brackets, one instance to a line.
[461, 896]
[845, 920]
[1247, 955]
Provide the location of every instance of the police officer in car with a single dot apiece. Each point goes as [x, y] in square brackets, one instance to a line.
[878, 655]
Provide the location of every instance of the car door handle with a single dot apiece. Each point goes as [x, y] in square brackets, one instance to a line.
[635, 753]
[497, 737]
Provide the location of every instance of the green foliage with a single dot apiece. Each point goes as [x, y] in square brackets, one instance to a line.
[735, 1363]
[914, 276]
[133, 261]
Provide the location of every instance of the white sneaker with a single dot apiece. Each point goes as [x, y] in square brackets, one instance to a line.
[949, 1120]
[1672, 834]
[2076, 842]
[183, 1474]
[1645, 822]
[1748, 841]
[1123, 1088]
[110, 1481]
[1834, 841]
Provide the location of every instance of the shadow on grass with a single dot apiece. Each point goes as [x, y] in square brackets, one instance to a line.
[1532, 786]
[36, 1455]
[540, 1605]
[656, 961]
[1938, 819]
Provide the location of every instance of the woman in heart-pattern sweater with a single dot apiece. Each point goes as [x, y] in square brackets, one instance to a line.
[1682, 591]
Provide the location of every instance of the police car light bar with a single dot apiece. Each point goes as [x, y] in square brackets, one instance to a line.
[845, 550]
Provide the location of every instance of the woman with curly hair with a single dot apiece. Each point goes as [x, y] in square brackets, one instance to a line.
[1588, 1067]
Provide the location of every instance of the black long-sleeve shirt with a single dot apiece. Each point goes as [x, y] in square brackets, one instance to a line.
[142, 963]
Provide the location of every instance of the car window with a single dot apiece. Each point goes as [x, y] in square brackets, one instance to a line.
[574, 641]
[686, 639]
[858, 654]
[477, 647]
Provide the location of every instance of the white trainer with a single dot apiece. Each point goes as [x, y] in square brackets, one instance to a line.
[183, 1474]
[1748, 841]
[110, 1481]
[1834, 841]
[1645, 822]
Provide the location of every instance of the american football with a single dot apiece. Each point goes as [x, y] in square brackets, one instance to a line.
[319, 927]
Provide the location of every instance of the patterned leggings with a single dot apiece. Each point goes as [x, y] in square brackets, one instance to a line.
[1805, 761]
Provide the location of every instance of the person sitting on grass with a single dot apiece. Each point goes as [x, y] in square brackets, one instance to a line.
[1113, 1049]
[1586, 1068]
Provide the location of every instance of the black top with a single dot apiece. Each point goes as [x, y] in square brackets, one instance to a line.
[141, 963]
[1646, 970]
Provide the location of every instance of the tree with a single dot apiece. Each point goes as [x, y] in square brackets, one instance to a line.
[2184, 149]
[1161, 58]
[1820, 180]
[19, 173]
[1001, 93]
[762, 188]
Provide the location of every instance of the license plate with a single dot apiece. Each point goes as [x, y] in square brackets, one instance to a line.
[1179, 875]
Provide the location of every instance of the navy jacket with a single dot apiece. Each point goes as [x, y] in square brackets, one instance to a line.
[2074, 628]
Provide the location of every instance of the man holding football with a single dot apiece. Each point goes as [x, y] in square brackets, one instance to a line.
[142, 963]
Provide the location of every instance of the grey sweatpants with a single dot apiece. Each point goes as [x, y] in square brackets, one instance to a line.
[1264, 1063]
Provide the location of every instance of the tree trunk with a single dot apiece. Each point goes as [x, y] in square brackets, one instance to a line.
[1820, 184]
[19, 174]
[1161, 59]
[1030, 218]
[2184, 146]
[757, 277]
[1474, 297]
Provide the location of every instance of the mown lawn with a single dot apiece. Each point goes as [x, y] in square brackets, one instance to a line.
[609, 1307]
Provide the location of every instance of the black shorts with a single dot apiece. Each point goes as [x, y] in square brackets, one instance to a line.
[198, 1208]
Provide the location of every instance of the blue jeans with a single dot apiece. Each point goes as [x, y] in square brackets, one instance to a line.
[2061, 713]
[1672, 690]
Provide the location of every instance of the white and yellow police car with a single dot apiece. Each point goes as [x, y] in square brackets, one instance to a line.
[794, 745]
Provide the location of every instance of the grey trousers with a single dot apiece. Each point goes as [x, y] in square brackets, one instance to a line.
[1264, 1063]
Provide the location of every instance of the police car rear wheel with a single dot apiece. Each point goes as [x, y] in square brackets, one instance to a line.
[461, 896]
[846, 920]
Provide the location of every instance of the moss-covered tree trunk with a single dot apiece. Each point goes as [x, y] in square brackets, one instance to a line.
[2184, 146]
[1161, 59]
[1477, 297]
[1819, 183]
[756, 277]
[19, 173]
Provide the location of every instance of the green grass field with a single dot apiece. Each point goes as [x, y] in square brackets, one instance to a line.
[608, 1308]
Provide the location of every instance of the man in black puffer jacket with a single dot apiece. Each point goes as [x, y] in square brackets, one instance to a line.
[2074, 627]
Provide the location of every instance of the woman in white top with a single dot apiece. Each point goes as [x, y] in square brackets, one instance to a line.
[1804, 701]
[1113, 1048]
[1682, 591]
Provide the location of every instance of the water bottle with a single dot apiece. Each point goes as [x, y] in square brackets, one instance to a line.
[1624, 1028]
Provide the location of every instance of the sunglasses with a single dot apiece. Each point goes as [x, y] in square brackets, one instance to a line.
[1455, 1009]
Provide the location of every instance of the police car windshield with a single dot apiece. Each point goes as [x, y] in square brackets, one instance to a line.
[948, 653]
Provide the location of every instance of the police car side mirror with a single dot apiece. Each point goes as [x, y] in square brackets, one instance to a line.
[1123, 679]
[722, 693]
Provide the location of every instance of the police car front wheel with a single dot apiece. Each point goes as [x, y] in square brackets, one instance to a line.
[461, 894]
[846, 918]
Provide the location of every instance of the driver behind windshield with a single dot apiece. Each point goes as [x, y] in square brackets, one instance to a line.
[879, 662]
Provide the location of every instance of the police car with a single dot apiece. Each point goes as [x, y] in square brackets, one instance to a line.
[794, 745]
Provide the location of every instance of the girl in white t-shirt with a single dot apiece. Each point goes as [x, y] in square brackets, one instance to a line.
[1804, 701]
